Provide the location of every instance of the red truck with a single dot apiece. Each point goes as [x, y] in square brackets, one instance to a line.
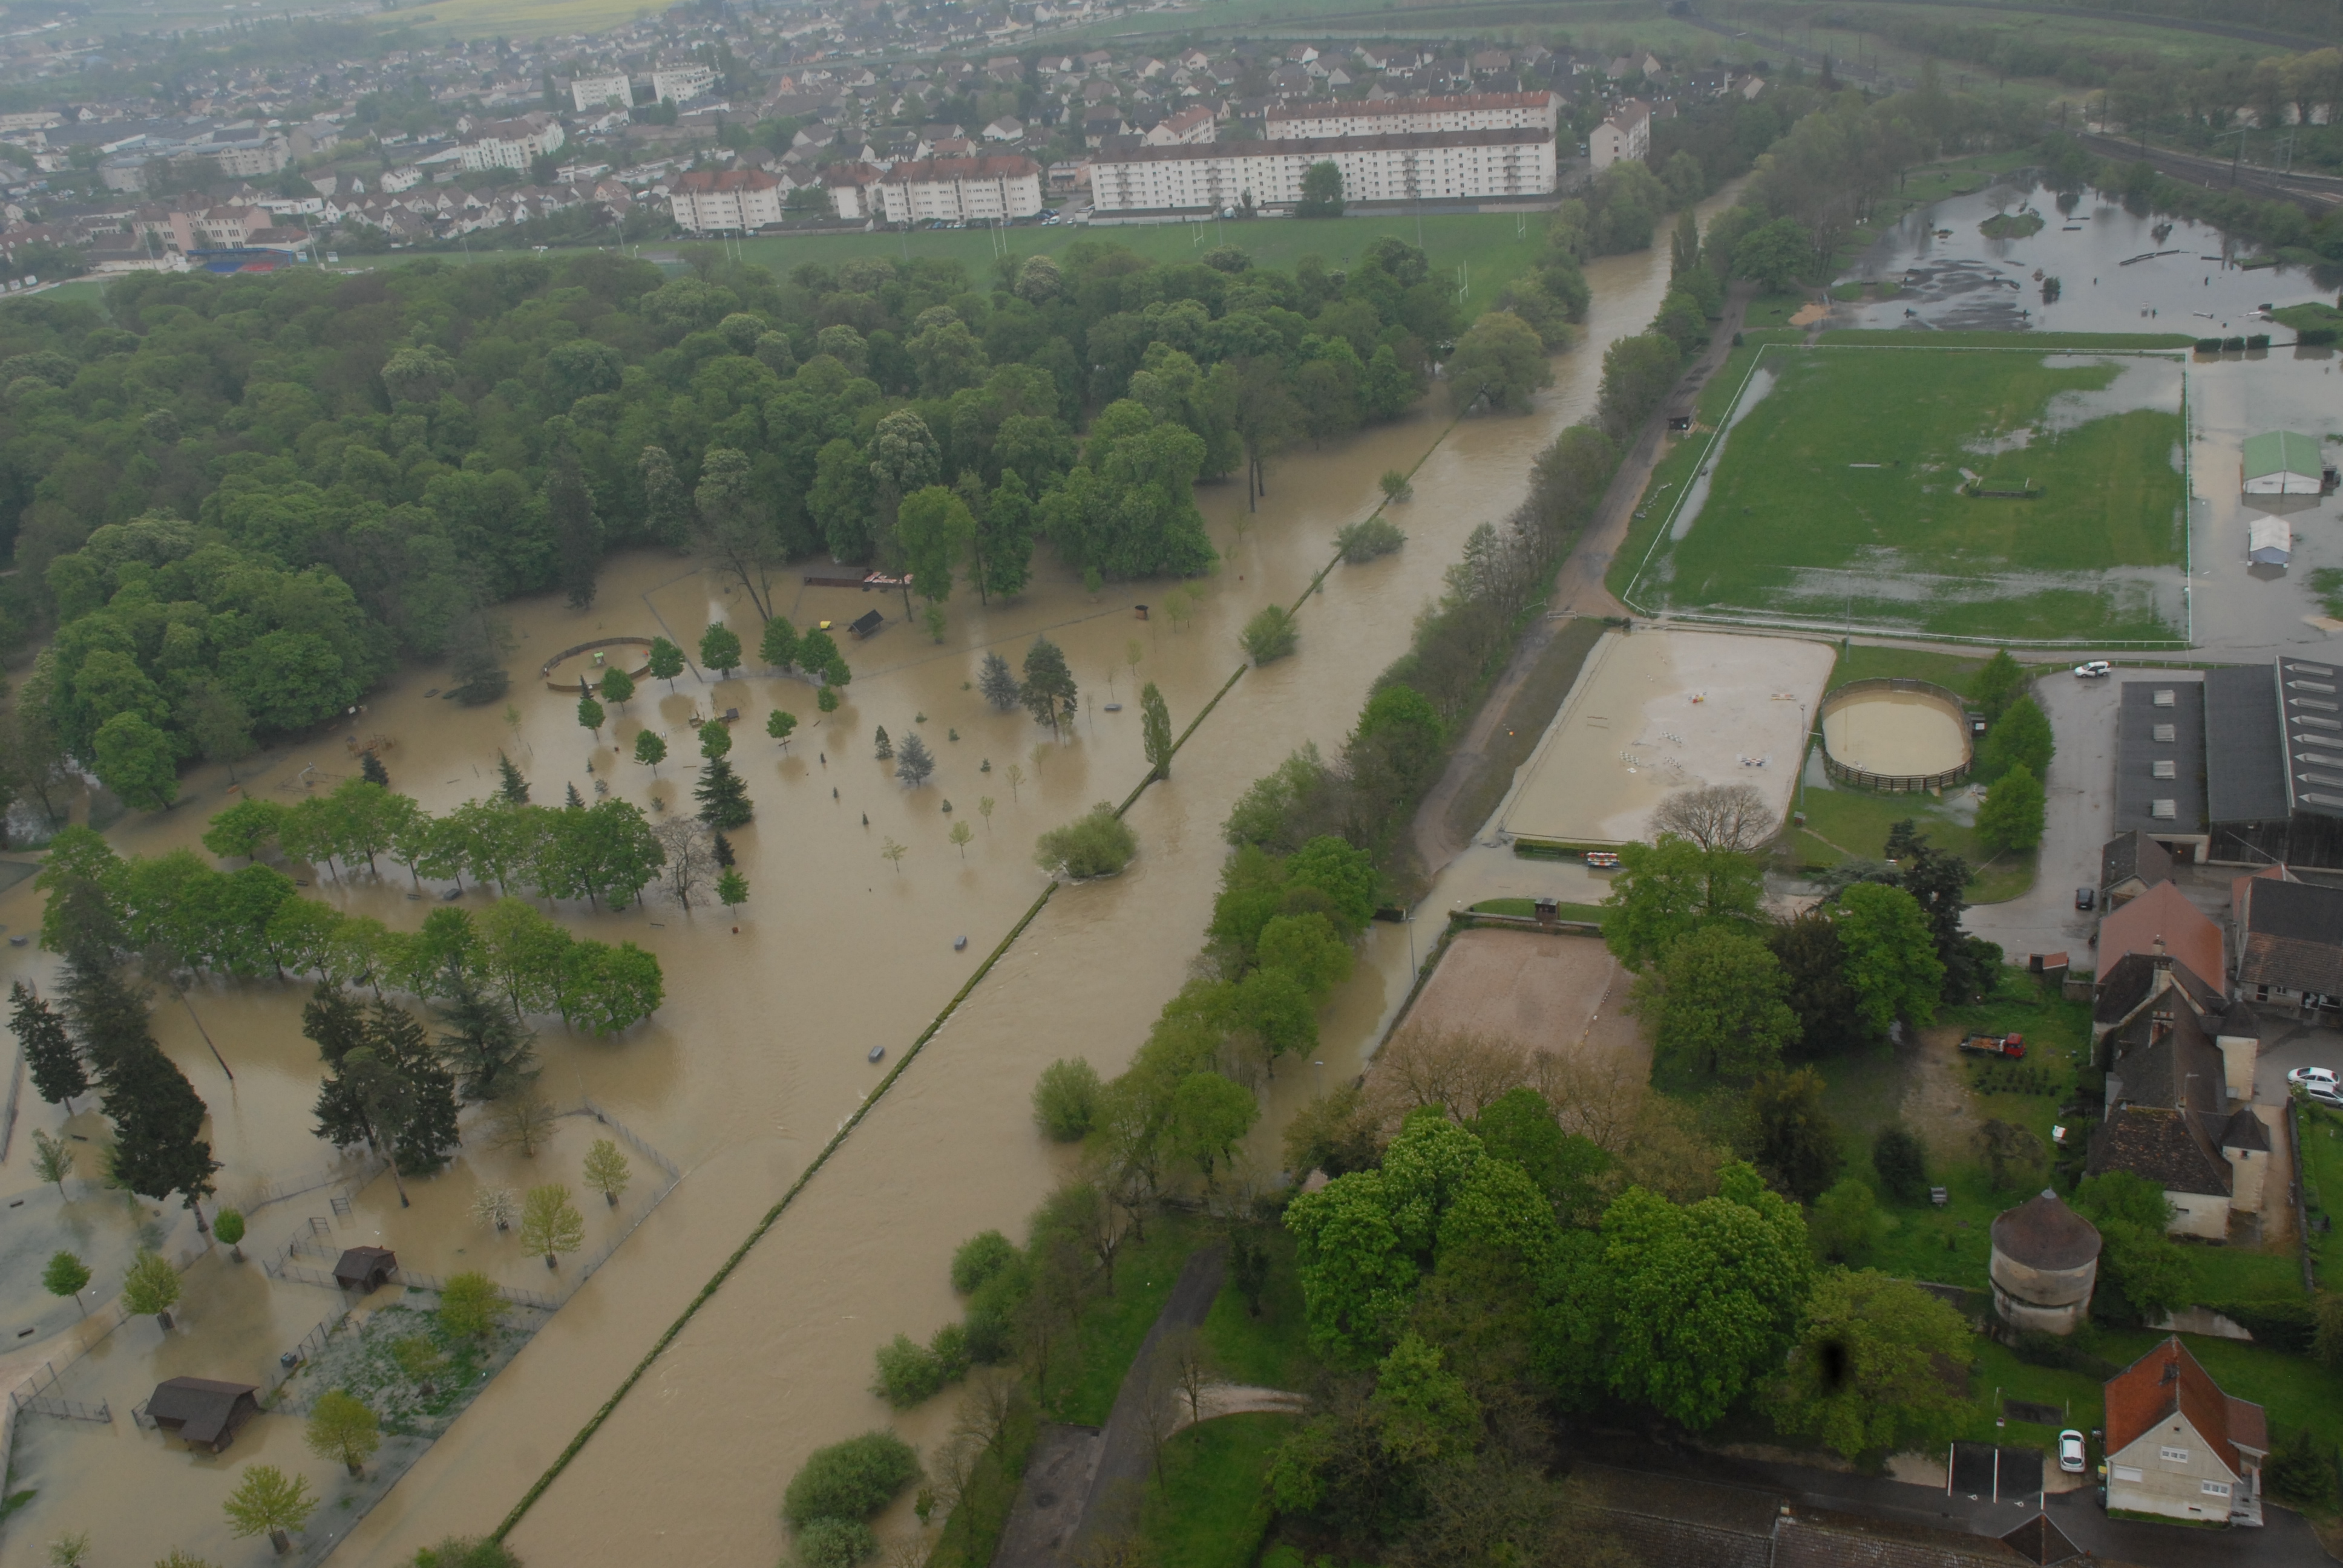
[2012, 1046]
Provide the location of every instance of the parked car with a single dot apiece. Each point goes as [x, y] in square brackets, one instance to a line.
[2085, 897]
[2325, 1094]
[2096, 669]
[2012, 1046]
[2324, 1076]
[2071, 1456]
[1603, 860]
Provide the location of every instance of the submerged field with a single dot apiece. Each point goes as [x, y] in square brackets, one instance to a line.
[1838, 495]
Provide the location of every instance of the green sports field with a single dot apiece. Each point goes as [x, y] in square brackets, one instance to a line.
[1838, 494]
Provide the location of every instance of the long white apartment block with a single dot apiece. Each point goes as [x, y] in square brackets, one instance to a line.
[1413, 116]
[960, 190]
[1431, 165]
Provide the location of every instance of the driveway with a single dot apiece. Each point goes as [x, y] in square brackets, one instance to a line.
[2286, 1045]
[2081, 808]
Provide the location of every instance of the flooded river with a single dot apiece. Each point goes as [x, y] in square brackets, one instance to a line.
[761, 1051]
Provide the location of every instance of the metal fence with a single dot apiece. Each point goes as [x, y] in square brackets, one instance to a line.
[333, 1173]
[623, 1131]
[8, 1112]
[37, 1394]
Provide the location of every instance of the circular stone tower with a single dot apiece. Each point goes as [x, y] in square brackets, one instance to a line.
[2045, 1260]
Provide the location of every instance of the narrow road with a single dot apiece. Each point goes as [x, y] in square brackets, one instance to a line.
[1578, 590]
[1126, 1446]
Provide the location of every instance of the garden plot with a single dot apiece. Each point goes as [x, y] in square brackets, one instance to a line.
[1985, 493]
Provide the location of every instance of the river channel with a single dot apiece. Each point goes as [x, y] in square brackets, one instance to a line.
[761, 1048]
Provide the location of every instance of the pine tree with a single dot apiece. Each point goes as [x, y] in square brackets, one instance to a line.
[331, 1018]
[1048, 691]
[510, 785]
[371, 769]
[55, 1066]
[722, 850]
[490, 1053]
[572, 799]
[914, 762]
[997, 683]
[886, 747]
[428, 1135]
[723, 798]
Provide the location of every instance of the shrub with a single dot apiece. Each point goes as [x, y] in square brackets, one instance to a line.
[834, 1543]
[908, 1373]
[992, 1309]
[1362, 541]
[2258, 340]
[1065, 1101]
[2300, 1471]
[1901, 1163]
[2209, 346]
[950, 1349]
[2284, 1324]
[1394, 484]
[979, 1259]
[1098, 844]
[1270, 636]
[2315, 336]
[851, 1480]
[457, 1552]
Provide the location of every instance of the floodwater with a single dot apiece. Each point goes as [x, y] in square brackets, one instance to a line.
[760, 1052]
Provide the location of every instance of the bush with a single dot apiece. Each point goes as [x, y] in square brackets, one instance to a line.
[979, 1259]
[2315, 336]
[991, 1321]
[1362, 541]
[1270, 636]
[2300, 1471]
[2285, 1324]
[457, 1552]
[1098, 844]
[2258, 340]
[2209, 346]
[851, 1480]
[950, 1349]
[1901, 1164]
[1395, 484]
[834, 1543]
[1065, 1101]
[908, 1373]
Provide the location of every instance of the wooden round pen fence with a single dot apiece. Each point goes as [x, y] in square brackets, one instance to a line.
[1895, 734]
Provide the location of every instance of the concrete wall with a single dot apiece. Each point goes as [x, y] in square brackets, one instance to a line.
[2201, 1214]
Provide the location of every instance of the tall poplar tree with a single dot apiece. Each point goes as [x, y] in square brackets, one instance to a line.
[55, 1066]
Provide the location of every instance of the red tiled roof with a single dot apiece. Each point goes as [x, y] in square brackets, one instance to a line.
[2162, 913]
[728, 180]
[935, 170]
[2169, 1380]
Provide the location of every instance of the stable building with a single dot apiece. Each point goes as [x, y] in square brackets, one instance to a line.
[2273, 769]
[2176, 1445]
[2160, 764]
[203, 1411]
[2289, 937]
[2281, 463]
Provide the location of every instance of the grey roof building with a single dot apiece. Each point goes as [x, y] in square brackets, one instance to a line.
[2160, 764]
[2290, 943]
[2274, 763]
[2130, 864]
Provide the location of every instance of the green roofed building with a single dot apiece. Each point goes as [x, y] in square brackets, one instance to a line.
[2282, 463]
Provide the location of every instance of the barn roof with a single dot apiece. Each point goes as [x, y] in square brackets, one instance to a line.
[2282, 452]
[2162, 920]
[2245, 747]
[2168, 1380]
[200, 1407]
[2290, 935]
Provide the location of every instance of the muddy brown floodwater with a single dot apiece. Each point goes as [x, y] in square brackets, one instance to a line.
[760, 1052]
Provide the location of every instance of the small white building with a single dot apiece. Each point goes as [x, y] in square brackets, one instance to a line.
[1626, 134]
[2177, 1446]
[590, 94]
[2269, 541]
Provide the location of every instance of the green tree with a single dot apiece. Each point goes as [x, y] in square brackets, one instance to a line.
[590, 716]
[1637, 372]
[65, 1275]
[1155, 731]
[719, 649]
[1891, 956]
[1774, 256]
[511, 787]
[781, 726]
[1844, 1223]
[617, 685]
[1901, 1163]
[731, 887]
[853, 1480]
[1066, 1100]
[605, 1171]
[1500, 359]
[469, 1306]
[934, 529]
[1047, 688]
[2020, 738]
[1270, 635]
[152, 1285]
[1322, 191]
[715, 740]
[1881, 1365]
[1715, 1003]
[777, 646]
[1664, 891]
[723, 798]
[267, 1501]
[550, 1223]
[1004, 539]
[1795, 1144]
[736, 527]
[1700, 1300]
[913, 761]
[650, 750]
[997, 684]
[56, 1067]
[1096, 844]
[667, 661]
[227, 1228]
[1997, 685]
[134, 760]
[52, 1160]
[2013, 813]
[343, 1429]
[1423, 1411]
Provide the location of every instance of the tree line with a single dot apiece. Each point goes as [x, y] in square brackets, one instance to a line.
[182, 915]
[240, 501]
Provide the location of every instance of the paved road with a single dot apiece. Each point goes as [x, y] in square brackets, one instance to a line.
[1125, 1448]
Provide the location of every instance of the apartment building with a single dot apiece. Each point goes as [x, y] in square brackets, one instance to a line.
[1414, 117]
[962, 190]
[1625, 133]
[682, 84]
[735, 201]
[589, 95]
[511, 143]
[1434, 166]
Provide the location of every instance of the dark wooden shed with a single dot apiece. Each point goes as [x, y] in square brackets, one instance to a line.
[364, 1268]
[868, 623]
[202, 1411]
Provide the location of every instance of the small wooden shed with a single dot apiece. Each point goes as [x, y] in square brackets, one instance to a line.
[868, 623]
[364, 1268]
[203, 1411]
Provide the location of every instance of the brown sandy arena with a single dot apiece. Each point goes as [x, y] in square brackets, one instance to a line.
[1895, 732]
[1658, 712]
[1546, 991]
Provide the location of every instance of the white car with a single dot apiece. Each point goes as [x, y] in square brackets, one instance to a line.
[2306, 1076]
[2096, 669]
[2071, 1457]
[2325, 1094]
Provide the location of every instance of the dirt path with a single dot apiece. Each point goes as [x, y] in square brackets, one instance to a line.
[1124, 1450]
[1578, 590]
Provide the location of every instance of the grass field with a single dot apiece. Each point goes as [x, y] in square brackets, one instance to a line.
[2322, 1188]
[1837, 498]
